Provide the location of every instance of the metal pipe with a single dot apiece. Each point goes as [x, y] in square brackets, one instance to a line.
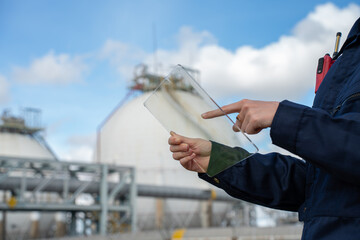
[133, 193]
[56, 185]
[103, 200]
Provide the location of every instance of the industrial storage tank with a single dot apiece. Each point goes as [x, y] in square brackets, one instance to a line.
[20, 137]
[131, 136]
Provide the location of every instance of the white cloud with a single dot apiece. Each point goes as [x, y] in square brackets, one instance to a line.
[122, 56]
[79, 148]
[282, 69]
[51, 69]
[4, 90]
[318, 26]
[187, 53]
[79, 154]
[125, 56]
[190, 43]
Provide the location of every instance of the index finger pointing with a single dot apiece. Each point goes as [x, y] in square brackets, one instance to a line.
[212, 114]
[231, 108]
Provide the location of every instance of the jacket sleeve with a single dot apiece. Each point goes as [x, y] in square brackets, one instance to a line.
[330, 143]
[271, 180]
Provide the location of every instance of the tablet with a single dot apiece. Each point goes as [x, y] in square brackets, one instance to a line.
[178, 102]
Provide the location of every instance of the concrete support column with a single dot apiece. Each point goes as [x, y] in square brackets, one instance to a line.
[246, 215]
[206, 213]
[34, 225]
[159, 214]
[3, 225]
[60, 219]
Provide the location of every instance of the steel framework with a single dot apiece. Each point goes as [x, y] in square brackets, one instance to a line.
[27, 179]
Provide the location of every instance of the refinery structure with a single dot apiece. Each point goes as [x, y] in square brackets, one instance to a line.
[132, 190]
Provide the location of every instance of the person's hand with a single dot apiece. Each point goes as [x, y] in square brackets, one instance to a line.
[253, 115]
[192, 153]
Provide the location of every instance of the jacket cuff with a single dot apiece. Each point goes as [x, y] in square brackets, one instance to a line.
[285, 125]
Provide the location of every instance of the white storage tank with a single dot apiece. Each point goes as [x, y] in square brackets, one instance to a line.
[19, 138]
[131, 136]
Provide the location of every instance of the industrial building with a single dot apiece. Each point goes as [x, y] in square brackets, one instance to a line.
[132, 190]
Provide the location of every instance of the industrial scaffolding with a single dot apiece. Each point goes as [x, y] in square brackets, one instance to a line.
[112, 188]
[24, 182]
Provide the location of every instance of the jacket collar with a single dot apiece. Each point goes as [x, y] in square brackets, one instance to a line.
[355, 30]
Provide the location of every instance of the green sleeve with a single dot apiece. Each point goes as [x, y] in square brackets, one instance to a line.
[223, 157]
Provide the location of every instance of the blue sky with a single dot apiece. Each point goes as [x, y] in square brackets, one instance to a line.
[92, 45]
[30, 28]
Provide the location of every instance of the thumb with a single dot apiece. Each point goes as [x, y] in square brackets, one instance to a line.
[179, 138]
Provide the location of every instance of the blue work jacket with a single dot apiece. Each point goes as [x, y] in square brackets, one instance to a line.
[325, 187]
